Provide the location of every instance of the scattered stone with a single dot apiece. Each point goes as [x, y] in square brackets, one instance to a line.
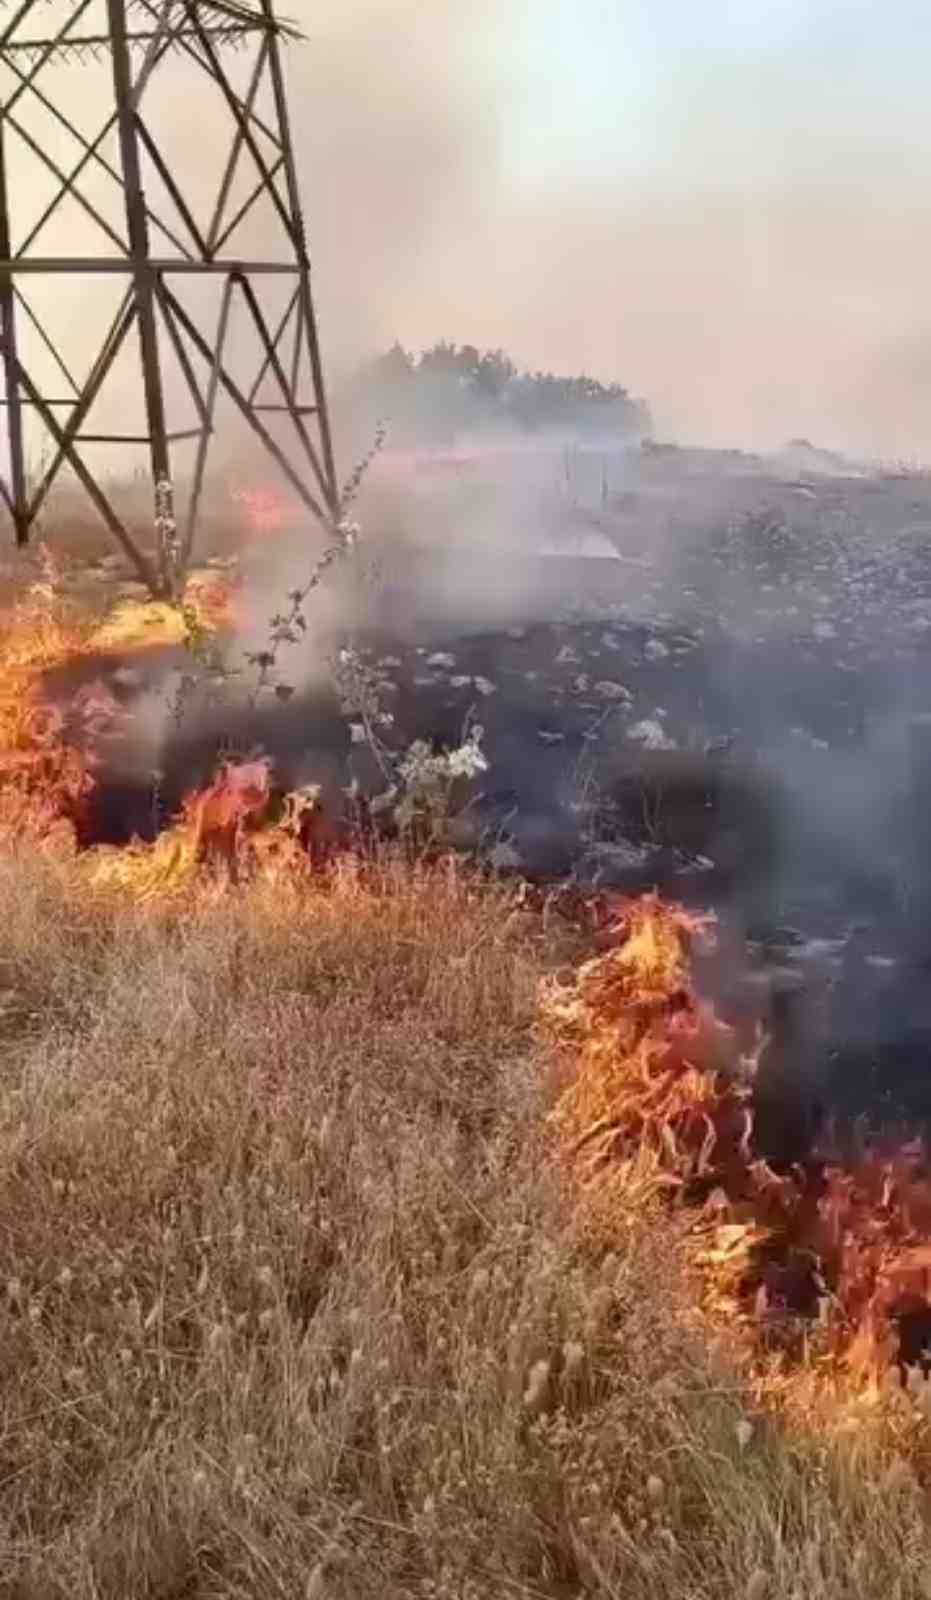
[581, 684]
[655, 650]
[517, 633]
[692, 866]
[441, 659]
[460, 681]
[568, 657]
[549, 736]
[485, 685]
[651, 735]
[620, 865]
[128, 678]
[824, 630]
[612, 691]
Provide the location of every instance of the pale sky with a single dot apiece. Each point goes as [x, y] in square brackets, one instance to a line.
[727, 207]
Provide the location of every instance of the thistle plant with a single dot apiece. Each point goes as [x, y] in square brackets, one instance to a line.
[288, 626]
[422, 788]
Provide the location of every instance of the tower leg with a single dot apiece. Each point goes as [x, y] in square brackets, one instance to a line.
[308, 317]
[144, 280]
[18, 499]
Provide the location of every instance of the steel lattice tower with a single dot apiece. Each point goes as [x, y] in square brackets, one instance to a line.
[156, 246]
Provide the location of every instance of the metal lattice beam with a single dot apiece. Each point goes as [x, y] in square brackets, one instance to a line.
[224, 22]
[139, 40]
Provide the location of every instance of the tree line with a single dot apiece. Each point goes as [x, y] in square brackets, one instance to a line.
[451, 389]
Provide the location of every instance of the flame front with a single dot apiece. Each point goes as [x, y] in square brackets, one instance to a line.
[833, 1258]
[44, 782]
[830, 1261]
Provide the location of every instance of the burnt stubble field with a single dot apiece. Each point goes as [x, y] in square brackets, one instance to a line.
[725, 698]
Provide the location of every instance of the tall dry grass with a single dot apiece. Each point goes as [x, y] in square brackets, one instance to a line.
[293, 1306]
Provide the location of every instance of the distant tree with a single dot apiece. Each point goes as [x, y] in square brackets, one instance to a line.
[451, 388]
[395, 366]
[494, 371]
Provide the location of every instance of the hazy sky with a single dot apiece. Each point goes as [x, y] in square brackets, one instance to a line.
[725, 206]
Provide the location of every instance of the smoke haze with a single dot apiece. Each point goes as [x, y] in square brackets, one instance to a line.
[724, 208]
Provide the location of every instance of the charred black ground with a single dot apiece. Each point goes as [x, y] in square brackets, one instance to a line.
[732, 712]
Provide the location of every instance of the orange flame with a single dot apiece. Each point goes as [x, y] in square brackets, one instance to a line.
[225, 832]
[266, 509]
[833, 1258]
[43, 781]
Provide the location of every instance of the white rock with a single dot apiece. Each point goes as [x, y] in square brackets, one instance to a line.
[651, 735]
[504, 857]
[485, 686]
[655, 650]
[442, 659]
[128, 678]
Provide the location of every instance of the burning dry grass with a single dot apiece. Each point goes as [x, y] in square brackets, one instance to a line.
[225, 832]
[292, 1304]
[138, 624]
[43, 782]
[44, 778]
[826, 1268]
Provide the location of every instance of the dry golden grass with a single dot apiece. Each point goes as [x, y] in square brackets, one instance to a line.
[293, 1306]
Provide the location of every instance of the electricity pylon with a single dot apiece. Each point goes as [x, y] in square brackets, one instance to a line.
[158, 244]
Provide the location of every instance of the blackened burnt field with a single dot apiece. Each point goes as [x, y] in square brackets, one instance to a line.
[735, 707]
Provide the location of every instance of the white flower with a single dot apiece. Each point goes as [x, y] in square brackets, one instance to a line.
[466, 762]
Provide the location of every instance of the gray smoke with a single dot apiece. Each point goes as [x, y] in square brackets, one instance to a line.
[727, 214]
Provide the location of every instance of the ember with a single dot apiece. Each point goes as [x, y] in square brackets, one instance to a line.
[267, 510]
